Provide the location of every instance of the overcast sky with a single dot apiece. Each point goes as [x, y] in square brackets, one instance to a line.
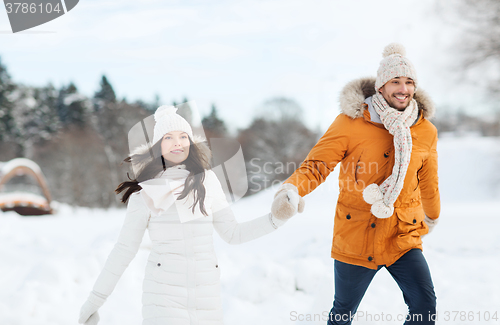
[235, 54]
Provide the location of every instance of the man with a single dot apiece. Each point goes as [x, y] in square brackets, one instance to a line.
[388, 183]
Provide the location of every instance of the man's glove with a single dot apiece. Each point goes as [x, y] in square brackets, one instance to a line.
[88, 312]
[430, 223]
[287, 202]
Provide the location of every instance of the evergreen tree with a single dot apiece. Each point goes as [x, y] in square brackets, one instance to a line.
[105, 95]
[48, 123]
[35, 117]
[61, 108]
[156, 103]
[106, 111]
[109, 124]
[184, 110]
[149, 106]
[72, 107]
[213, 126]
[7, 87]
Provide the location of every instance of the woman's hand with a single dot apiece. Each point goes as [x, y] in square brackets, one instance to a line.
[92, 320]
[287, 202]
[431, 223]
[88, 312]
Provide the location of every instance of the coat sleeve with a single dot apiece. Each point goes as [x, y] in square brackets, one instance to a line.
[429, 189]
[125, 249]
[224, 221]
[323, 157]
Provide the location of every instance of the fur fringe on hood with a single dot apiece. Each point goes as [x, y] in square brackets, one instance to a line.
[355, 92]
[142, 150]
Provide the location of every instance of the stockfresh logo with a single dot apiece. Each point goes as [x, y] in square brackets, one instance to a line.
[31, 13]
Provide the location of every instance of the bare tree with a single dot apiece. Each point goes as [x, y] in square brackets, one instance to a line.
[76, 167]
[276, 144]
[281, 109]
[479, 46]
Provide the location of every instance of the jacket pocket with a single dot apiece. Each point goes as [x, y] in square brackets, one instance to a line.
[208, 271]
[410, 221]
[351, 228]
[167, 268]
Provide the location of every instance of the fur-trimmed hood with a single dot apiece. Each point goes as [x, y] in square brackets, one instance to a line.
[143, 151]
[355, 92]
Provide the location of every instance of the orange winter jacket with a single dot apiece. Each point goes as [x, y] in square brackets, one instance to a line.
[366, 152]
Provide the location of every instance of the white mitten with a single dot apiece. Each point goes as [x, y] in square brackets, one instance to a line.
[287, 202]
[430, 223]
[88, 312]
[93, 319]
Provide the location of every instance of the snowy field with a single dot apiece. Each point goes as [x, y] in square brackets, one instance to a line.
[48, 264]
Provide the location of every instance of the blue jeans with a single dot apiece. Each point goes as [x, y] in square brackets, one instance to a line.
[410, 272]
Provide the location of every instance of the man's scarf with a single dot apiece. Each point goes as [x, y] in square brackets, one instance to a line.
[398, 124]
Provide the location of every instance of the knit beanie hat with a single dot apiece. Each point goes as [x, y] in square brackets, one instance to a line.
[394, 64]
[168, 120]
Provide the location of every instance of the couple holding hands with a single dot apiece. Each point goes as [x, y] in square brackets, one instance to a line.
[388, 200]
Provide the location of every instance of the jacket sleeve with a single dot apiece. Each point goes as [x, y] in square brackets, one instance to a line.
[323, 157]
[224, 221]
[124, 251]
[429, 189]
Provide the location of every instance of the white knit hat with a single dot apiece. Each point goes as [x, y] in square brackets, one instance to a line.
[168, 120]
[394, 64]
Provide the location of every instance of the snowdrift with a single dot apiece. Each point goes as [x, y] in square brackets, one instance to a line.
[50, 264]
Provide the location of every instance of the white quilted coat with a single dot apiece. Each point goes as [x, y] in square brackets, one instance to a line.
[181, 284]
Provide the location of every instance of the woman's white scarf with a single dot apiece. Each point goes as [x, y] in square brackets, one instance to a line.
[398, 124]
[161, 192]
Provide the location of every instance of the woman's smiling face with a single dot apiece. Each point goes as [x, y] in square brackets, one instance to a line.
[175, 146]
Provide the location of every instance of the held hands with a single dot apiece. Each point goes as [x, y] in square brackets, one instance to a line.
[88, 312]
[287, 202]
[430, 223]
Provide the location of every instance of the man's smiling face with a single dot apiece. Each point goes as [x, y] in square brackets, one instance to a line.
[398, 92]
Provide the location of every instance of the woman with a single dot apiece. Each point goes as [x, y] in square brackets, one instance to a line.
[180, 201]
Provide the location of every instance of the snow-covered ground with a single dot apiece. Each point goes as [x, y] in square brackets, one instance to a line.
[49, 264]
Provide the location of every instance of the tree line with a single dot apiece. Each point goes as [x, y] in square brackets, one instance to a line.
[80, 142]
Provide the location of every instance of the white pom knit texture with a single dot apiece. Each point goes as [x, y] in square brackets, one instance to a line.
[382, 211]
[372, 193]
[163, 111]
[167, 120]
[394, 48]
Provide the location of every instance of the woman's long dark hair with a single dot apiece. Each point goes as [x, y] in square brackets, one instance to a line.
[153, 161]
